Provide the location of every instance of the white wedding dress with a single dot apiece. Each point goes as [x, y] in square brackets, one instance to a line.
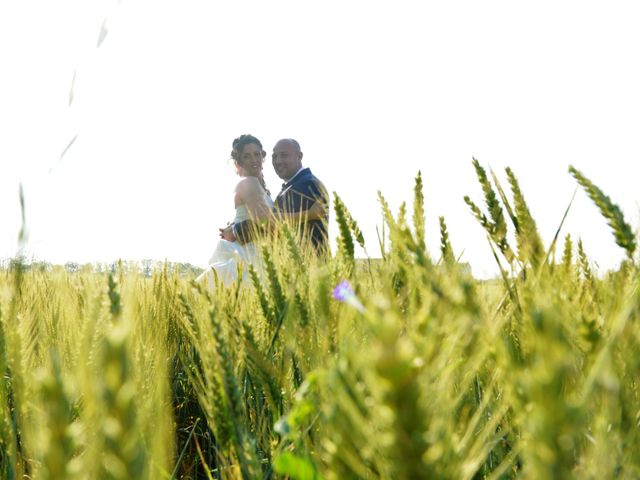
[228, 255]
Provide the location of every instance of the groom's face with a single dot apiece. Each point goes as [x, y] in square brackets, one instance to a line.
[286, 158]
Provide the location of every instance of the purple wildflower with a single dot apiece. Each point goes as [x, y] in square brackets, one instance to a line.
[344, 293]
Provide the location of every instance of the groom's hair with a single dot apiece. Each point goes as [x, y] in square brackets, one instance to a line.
[242, 141]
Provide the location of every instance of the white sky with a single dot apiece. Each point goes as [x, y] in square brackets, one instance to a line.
[374, 91]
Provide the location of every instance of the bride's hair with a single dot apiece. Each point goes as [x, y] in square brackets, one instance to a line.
[238, 145]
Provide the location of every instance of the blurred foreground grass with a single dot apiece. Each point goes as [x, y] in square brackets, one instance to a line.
[419, 371]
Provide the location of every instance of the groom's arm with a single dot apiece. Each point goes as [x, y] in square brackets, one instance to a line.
[244, 231]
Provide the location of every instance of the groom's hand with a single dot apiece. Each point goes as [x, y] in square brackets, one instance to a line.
[227, 233]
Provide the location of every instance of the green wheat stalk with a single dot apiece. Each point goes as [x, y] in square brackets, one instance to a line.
[445, 245]
[265, 304]
[418, 212]
[244, 447]
[495, 224]
[530, 245]
[622, 232]
[567, 254]
[345, 239]
[277, 292]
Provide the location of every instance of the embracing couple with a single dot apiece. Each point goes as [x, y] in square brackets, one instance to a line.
[303, 200]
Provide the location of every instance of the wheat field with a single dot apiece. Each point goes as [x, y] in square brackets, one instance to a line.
[401, 368]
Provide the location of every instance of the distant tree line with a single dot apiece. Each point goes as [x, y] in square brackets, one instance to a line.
[146, 266]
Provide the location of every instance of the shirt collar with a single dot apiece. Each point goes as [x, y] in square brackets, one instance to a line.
[293, 176]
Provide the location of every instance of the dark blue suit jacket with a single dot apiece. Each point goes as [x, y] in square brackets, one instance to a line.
[296, 196]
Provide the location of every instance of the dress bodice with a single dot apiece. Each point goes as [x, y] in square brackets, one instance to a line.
[242, 213]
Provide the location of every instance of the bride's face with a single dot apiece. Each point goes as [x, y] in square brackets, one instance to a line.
[250, 160]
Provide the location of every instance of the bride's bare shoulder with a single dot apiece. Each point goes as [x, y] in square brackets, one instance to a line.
[248, 183]
[248, 186]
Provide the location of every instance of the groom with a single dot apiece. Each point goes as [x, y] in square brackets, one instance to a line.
[300, 190]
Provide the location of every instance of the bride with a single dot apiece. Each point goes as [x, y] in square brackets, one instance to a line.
[252, 201]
